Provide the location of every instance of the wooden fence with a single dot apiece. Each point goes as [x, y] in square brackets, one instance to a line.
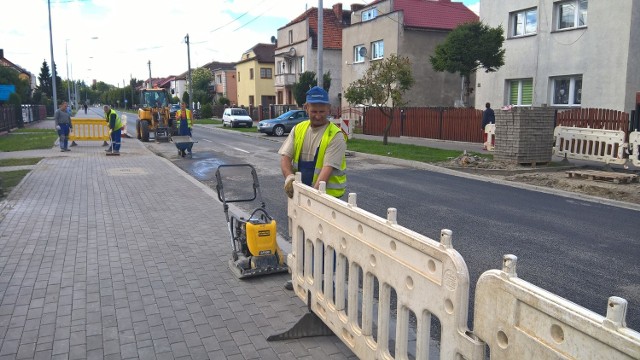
[594, 118]
[464, 124]
[455, 124]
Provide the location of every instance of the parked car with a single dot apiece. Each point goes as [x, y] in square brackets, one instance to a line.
[283, 123]
[235, 117]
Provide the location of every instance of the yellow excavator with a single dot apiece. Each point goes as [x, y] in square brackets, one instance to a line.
[153, 115]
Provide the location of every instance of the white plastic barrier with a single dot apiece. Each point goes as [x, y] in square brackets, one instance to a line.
[521, 321]
[634, 147]
[338, 250]
[490, 130]
[590, 144]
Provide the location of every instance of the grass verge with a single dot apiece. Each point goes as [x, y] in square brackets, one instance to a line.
[405, 151]
[208, 121]
[19, 162]
[28, 139]
[9, 179]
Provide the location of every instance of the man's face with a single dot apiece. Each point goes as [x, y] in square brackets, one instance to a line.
[183, 106]
[64, 106]
[317, 113]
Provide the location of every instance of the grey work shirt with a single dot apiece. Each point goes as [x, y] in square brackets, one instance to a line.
[62, 117]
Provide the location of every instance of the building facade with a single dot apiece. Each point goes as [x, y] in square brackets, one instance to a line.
[254, 76]
[297, 51]
[564, 54]
[408, 28]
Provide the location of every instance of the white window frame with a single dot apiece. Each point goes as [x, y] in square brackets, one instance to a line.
[357, 58]
[514, 22]
[519, 82]
[301, 64]
[377, 50]
[369, 14]
[576, 14]
[573, 93]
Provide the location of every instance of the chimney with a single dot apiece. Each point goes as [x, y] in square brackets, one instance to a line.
[1, 53]
[337, 10]
[356, 7]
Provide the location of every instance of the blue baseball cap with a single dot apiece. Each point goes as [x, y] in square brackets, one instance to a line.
[317, 95]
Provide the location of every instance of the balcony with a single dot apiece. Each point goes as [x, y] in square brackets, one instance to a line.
[285, 79]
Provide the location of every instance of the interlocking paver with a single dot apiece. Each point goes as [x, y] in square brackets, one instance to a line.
[126, 258]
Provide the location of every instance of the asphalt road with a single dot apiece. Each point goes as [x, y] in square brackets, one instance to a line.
[580, 250]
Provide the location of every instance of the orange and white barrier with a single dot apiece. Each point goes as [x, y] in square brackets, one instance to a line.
[605, 146]
[341, 254]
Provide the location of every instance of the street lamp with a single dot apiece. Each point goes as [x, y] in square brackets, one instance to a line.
[66, 50]
[53, 64]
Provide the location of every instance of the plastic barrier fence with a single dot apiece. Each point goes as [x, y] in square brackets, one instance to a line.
[339, 254]
[521, 321]
[590, 144]
[378, 286]
[490, 130]
[634, 147]
[89, 129]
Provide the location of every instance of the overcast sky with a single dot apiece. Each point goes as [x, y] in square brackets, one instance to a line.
[113, 40]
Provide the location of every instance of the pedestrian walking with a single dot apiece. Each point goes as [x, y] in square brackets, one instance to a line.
[63, 125]
[488, 117]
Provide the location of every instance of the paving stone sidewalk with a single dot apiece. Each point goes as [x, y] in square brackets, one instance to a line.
[126, 258]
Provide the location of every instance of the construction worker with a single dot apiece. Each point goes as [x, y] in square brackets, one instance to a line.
[63, 125]
[115, 124]
[184, 125]
[315, 148]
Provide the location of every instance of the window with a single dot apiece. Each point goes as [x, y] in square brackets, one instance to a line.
[524, 22]
[238, 76]
[521, 92]
[301, 64]
[290, 36]
[566, 90]
[251, 100]
[359, 52]
[369, 14]
[571, 14]
[251, 74]
[265, 73]
[219, 79]
[377, 50]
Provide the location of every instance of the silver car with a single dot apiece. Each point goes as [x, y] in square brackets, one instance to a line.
[283, 123]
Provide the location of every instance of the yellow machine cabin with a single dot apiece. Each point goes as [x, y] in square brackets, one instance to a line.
[153, 115]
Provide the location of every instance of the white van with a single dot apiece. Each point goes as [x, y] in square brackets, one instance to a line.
[235, 117]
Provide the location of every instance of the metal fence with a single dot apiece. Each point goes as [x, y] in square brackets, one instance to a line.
[15, 116]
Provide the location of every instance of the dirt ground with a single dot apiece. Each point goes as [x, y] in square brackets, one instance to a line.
[554, 176]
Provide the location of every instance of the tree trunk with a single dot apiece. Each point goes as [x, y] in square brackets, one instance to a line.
[389, 116]
[467, 88]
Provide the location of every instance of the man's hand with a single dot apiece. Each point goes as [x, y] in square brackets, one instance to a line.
[288, 185]
[58, 127]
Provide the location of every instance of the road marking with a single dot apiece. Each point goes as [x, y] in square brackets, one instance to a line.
[244, 151]
[206, 140]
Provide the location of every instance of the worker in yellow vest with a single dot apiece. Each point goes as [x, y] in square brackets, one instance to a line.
[316, 148]
[185, 119]
[115, 124]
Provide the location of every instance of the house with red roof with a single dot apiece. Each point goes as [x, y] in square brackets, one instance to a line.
[408, 28]
[297, 51]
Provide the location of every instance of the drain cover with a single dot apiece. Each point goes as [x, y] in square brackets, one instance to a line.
[126, 171]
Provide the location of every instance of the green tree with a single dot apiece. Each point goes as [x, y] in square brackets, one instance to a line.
[223, 101]
[306, 81]
[206, 112]
[185, 98]
[201, 78]
[44, 79]
[467, 48]
[383, 81]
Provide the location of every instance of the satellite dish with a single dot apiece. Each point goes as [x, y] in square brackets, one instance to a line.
[273, 39]
[292, 52]
[362, 51]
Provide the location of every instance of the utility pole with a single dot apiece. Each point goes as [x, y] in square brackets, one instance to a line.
[66, 51]
[131, 83]
[53, 64]
[186, 39]
[124, 95]
[320, 72]
[149, 83]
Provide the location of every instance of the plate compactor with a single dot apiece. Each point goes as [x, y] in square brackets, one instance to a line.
[255, 249]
